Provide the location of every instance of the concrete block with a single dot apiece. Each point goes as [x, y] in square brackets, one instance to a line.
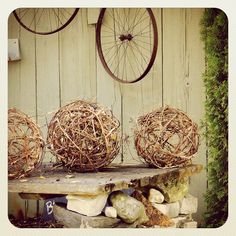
[189, 224]
[169, 209]
[179, 220]
[188, 205]
[87, 204]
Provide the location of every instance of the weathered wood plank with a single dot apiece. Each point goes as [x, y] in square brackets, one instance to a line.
[174, 40]
[93, 14]
[108, 180]
[142, 97]
[47, 77]
[13, 67]
[196, 66]
[77, 60]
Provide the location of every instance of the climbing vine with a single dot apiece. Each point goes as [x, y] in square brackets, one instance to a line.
[214, 31]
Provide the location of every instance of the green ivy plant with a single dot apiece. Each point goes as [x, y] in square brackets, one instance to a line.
[214, 31]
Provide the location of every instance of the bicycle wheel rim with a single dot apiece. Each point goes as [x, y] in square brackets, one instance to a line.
[49, 32]
[153, 53]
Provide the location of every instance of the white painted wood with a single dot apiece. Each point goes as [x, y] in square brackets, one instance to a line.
[174, 58]
[13, 67]
[24, 94]
[47, 78]
[59, 68]
[110, 95]
[93, 14]
[194, 81]
[78, 60]
[141, 97]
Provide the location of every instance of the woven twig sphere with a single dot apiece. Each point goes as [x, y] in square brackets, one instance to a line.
[25, 144]
[166, 137]
[84, 136]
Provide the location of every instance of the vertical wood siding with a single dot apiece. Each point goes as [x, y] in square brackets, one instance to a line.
[59, 68]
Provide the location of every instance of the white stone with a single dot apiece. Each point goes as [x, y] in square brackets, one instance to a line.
[189, 224]
[188, 205]
[110, 212]
[87, 204]
[178, 221]
[129, 209]
[155, 196]
[169, 209]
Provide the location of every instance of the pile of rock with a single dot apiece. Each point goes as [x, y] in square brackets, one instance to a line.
[167, 205]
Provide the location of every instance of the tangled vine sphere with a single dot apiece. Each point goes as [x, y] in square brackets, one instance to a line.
[84, 136]
[25, 144]
[166, 137]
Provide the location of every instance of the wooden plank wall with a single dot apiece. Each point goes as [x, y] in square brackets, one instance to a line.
[65, 66]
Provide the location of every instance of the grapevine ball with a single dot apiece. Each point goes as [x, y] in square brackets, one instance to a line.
[84, 136]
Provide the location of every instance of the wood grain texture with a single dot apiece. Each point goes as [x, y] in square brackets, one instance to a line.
[196, 98]
[174, 40]
[78, 60]
[141, 97]
[59, 68]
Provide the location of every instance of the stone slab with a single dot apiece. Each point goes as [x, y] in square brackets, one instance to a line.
[112, 178]
[72, 219]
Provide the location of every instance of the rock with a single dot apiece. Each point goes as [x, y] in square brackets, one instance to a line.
[110, 212]
[189, 224]
[155, 196]
[72, 219]
[174, 190]
[179, 220]
[87, 204]
[169, 209]
[128, 208]
[188, 205]
[154, 215]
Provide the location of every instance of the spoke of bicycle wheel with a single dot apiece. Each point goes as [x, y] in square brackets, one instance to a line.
[140, 46]
[112, 16]
[66, 12]
[34, 18]
[128, 19]
[119, 62]
[137, 61]
[142, 55]
[112, 58]
[20, 12]
[119, 19]
[60, 12]
[40, 16]
[58, 18]
[125, 18]
[115, 55]
[108, 49]
[131, 65]
[135, 16]
[108, 27]
[142, 41]
[124, 64]
[142, 30]
[139, 23]
[135, 23]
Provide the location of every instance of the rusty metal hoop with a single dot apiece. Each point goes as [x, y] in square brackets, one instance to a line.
[129, 37]
[59, 18]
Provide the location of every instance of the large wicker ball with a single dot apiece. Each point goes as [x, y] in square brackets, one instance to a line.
[166, 137]
[25, 144]
[84, 136]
